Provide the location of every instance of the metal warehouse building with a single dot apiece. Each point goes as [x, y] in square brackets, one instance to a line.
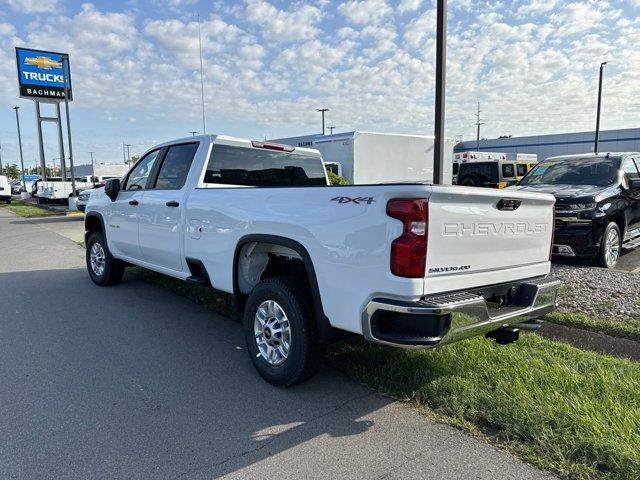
[623, 140]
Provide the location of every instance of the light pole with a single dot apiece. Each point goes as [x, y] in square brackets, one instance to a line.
[93, 170]
[441, 64]
[24, 185]
[595, 145]
[322, 110]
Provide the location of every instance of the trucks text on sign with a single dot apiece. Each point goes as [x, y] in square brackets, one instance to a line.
[41, 75]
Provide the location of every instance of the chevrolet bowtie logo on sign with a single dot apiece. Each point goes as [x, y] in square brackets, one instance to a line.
[43, 75]
[44, 63]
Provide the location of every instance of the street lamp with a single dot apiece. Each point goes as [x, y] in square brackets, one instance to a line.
[595, 145]
[322, 110]
[24, 185]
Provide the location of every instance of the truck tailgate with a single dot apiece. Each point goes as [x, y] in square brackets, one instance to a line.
[481, 236]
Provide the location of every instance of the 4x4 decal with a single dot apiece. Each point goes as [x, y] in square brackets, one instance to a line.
[356, 200]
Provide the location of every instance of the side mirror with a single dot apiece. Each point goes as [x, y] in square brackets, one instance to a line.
[111, 188]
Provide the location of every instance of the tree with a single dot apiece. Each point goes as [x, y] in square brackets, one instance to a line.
[11, 171]
[336, 179]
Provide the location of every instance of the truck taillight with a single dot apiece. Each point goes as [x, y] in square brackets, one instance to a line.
[553, 231]
[409, 250]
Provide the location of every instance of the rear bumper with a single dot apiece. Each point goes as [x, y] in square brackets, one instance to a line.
[446, 318]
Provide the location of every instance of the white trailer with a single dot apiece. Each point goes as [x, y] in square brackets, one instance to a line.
[58, 190]
[370, 157]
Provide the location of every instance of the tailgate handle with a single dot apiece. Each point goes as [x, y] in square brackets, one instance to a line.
[508, 204]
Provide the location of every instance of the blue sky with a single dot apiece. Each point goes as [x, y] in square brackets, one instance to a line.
[269, 64]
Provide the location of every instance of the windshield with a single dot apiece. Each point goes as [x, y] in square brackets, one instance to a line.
[575, 171]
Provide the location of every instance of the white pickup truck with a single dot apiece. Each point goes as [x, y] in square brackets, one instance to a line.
[407, 264]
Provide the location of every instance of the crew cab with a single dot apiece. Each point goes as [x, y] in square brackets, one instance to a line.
[407, 264]
[597, 203]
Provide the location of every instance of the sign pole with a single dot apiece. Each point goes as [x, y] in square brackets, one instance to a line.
[65, 61]
[43, 169]
[24, 185]
[63, 163]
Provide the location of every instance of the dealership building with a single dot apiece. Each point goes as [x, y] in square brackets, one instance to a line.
[623, 140]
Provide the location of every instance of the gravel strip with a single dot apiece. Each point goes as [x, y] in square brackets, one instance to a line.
[598, 292]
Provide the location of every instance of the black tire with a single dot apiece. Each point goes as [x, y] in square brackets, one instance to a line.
[305, 352]
[113, 268]
[469, 181]
[604, 258]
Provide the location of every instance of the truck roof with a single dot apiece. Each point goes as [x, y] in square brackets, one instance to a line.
[580, 156]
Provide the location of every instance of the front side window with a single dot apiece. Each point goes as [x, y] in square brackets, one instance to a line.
[175, 166]
[630, 168]
[263, 168]
[137, 179]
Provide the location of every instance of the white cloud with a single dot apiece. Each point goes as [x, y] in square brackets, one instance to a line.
[536, 6]
[365, 12]
[280, 25]
[409, 5]
[33, 6]
[421, 28]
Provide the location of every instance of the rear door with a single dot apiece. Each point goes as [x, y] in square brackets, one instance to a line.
[483, 236]
[161, 225]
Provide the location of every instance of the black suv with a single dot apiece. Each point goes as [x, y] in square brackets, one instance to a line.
[597, 203]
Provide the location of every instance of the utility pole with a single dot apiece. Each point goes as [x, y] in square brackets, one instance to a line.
[125, 152]
[331, 129]
[595, 145]
[0, 159]
[193, 133]
[24, 185]
[441, 65]
[93, 170]
[322, 110]
[204, 119]
[129, 153]
[477, 124]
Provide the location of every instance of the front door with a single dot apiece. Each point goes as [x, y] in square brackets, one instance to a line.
[161, 225]
[122, 224]
[631, 171]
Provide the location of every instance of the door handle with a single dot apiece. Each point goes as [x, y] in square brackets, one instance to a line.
[172, 203]
[134, 202]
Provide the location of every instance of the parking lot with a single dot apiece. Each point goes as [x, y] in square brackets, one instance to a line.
[133, 382]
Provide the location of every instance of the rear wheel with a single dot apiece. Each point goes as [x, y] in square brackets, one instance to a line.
[103, 269]
[610, 248]
[280, 332]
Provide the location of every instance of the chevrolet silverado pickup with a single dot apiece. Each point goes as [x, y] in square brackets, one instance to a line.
[406, 264]
[597, 203]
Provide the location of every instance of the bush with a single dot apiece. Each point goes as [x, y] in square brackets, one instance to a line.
[337, 179]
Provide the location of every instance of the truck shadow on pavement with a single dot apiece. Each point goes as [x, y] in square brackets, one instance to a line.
[132, 380]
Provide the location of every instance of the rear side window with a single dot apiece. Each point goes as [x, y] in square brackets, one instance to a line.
[508, 170]
[263, 168]
[175, 166]
[522, 169]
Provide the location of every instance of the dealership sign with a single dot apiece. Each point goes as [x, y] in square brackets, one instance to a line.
[41, 75]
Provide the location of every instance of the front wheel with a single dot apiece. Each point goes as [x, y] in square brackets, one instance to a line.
[611, 245]
[104, 270]
[280, 332]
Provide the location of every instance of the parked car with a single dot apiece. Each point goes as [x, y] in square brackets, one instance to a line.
[304, 259]
[5, 189]
[597, 203]
[492, 174]
[16, 187]
[83, 198]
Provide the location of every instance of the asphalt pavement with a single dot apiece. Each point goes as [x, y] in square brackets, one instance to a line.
[134, 382]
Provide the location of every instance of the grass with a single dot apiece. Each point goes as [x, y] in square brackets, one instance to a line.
[28, 210]
[629, 328]
[573, 412]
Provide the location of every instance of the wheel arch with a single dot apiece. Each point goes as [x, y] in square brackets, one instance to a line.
[93, 222]
[324, 325]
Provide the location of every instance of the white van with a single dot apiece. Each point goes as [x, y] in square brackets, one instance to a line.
[5, 189]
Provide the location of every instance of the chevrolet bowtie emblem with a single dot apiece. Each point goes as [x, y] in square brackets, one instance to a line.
[44, 63]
